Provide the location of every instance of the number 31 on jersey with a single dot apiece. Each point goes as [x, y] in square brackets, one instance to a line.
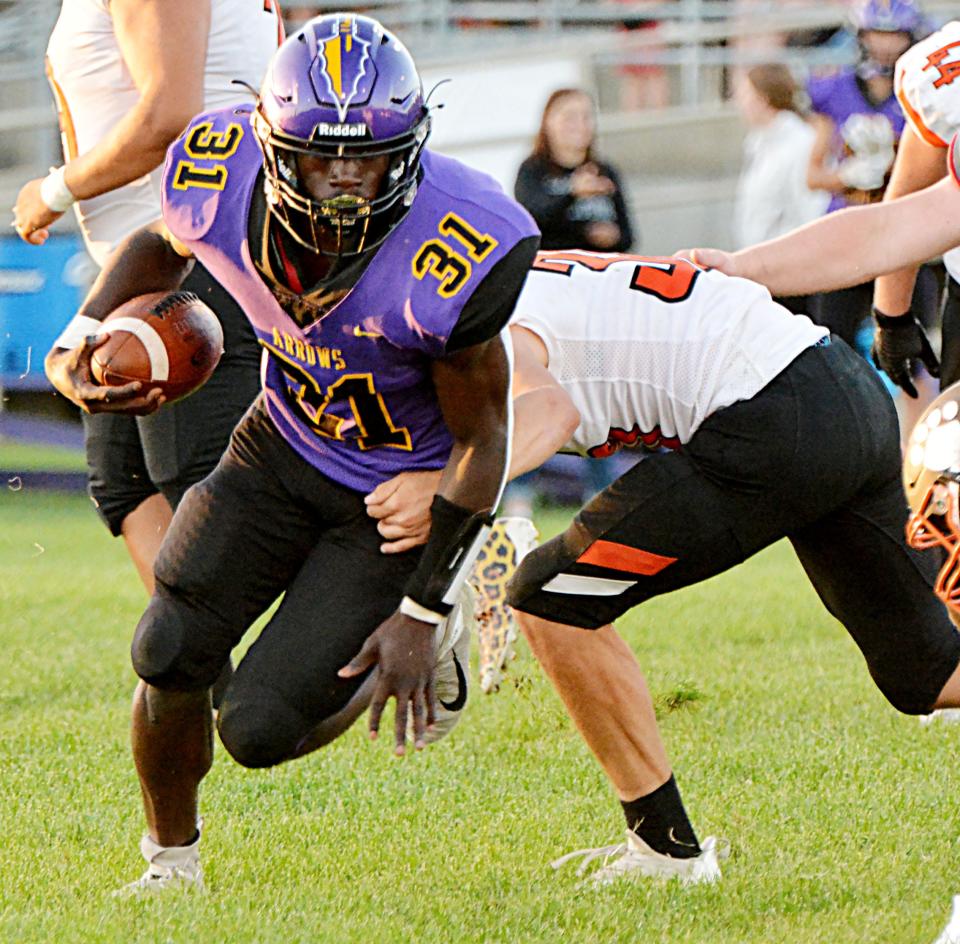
[449, 257]
[205, 144]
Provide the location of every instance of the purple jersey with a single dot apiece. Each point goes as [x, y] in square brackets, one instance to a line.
[838, 97]
[351, 392]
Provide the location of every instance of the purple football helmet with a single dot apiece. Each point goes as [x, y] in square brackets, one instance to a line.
[885, 16]
[888, 16]
[341, 87]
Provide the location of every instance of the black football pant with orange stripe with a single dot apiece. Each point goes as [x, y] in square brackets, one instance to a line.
[814, 457]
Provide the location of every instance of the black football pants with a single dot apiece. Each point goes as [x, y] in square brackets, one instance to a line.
[815, 457]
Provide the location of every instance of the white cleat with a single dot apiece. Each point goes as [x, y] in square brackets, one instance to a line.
[941, 716]
[450, 676]
[951, 933]
[168, 868]
[634, 859]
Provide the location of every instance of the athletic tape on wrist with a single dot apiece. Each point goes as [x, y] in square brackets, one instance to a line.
[54, 191]
[413, 609]
[457, 536]
[77, 331]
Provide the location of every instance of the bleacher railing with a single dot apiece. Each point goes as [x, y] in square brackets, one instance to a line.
[693, 37]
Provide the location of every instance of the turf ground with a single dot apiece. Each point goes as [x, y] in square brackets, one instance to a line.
[842, 815]
[24, 457]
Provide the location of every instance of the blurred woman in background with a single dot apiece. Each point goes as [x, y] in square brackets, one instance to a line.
[772, 193]
[576, 199]
[578, 203]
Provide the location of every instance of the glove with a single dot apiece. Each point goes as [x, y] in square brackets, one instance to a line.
[865, 172]
[865, 135]
[897, 344]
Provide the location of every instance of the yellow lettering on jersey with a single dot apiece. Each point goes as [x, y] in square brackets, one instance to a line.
[204, 144]
[447, 265]
[361, 401]
[189, 175]
[308, 393]
[444, 264]
[305, 353]
[478, 245]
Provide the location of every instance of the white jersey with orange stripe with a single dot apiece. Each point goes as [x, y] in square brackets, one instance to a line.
[94, 89]
[647, 348]
[954, 158]
[928, 87]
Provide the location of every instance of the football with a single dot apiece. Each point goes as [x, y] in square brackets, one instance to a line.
[171, 341]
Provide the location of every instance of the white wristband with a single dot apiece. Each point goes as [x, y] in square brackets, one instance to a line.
[54, 191]
[414, 610]
[80, 328]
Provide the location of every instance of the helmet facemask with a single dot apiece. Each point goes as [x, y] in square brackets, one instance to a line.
[936, 524]
[343, 224]
[889, 18]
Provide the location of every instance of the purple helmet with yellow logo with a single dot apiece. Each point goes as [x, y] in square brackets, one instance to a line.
[341, 87]
[886, 16]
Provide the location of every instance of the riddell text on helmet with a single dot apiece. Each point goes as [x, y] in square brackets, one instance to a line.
[349, 129]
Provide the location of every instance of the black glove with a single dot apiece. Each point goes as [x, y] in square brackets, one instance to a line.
[898, 343]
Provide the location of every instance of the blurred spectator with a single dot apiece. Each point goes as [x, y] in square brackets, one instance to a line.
[296, 14]
[858, 122]
[772, 194]
[642, 85]
[577, 200]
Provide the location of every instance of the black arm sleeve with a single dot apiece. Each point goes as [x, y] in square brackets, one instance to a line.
[548, 209]
[489, 308]
[627, 236]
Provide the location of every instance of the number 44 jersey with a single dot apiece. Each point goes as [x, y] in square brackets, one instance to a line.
[928, 88]
[348, 384]
[647, 348]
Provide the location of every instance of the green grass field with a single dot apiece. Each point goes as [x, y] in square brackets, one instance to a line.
[23, 457]
[842, 815]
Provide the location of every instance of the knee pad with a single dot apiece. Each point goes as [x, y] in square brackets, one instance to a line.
[258, 728]
[170, 648]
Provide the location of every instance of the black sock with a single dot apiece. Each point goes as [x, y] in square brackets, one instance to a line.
[660, 820]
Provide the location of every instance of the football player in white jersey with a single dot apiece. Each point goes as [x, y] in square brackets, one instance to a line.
[774, 430]
[929, 93]
[127, 75]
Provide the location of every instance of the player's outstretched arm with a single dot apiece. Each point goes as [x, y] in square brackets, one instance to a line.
[149, 260]
[848, 247]
[544, 419]
[473, 389]
[164, 47]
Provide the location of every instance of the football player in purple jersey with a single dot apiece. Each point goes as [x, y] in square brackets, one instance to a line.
[378, 278]
[858, 121]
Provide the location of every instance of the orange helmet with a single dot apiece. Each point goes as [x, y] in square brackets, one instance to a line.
[931, 479]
